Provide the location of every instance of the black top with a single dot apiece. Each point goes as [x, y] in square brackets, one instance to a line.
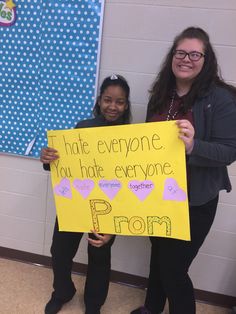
[98, 121]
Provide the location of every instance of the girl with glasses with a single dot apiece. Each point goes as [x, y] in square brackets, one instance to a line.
[188, 89]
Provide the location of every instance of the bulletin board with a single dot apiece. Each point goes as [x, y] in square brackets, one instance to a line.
[49, 60]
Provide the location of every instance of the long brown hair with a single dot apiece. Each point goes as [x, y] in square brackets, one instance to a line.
[164, 83]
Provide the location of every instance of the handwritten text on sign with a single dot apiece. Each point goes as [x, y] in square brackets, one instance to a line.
[128, 180]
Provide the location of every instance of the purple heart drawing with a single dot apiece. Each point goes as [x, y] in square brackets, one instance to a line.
[63, 188]
[110, 187]
[172, 191]
[84, 187]
[141, 188]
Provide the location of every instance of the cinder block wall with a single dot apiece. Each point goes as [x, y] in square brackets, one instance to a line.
[136, 36]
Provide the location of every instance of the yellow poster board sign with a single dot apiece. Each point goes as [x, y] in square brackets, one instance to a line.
[125, 180]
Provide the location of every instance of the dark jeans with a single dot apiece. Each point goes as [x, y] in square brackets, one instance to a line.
[170, 261]
[63, 249]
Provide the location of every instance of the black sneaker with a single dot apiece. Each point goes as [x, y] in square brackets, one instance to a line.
[53, 306]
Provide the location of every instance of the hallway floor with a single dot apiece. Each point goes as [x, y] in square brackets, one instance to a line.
[25, 288]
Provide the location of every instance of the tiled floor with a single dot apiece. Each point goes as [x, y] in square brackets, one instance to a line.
[24, 289]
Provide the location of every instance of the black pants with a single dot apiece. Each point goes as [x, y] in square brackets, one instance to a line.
[170, 261]
[63, 249]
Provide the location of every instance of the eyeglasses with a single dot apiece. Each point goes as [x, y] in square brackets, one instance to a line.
[193, 55]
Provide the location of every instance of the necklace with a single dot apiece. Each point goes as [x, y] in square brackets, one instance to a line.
[171, 116]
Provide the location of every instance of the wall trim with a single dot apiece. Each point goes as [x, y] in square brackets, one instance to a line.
[116, 276]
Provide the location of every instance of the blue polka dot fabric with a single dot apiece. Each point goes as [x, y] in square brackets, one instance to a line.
[48, 66]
